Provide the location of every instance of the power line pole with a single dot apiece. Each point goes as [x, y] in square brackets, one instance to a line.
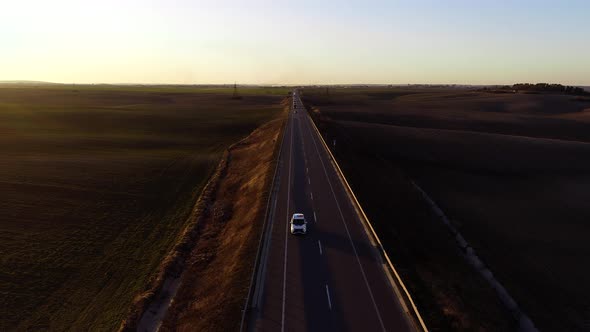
[235, 95]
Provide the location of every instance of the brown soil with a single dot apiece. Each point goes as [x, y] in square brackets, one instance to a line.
[510, 171]
[218, 270]
[448, 292]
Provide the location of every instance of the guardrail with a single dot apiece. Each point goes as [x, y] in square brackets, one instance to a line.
[264, 232]
[414, 314]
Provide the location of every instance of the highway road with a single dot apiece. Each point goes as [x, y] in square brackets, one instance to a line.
[331, 279]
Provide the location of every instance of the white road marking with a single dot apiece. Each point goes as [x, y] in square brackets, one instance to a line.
[328, 295]
[347, 231]
[287, 232]
[306, 169]
[311, 195]
[314, 217]
[308, 181]
[320, 246]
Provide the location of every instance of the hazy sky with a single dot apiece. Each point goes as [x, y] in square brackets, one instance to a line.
[295, 42]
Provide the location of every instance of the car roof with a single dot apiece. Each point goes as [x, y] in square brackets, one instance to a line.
[298, 216]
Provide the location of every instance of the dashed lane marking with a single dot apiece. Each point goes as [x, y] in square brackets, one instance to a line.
[347, 231]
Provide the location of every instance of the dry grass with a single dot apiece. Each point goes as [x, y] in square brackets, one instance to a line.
[217, 274]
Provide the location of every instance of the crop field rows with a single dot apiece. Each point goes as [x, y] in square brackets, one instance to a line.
[95, 183]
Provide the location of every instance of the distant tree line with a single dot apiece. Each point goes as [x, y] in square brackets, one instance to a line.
[546, 87]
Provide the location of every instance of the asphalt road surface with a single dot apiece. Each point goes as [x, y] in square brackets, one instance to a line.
[330, 279]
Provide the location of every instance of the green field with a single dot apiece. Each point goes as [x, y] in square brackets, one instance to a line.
[154, 88]
[95, 183]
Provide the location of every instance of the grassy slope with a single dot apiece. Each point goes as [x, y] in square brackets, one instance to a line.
[520, 200]
[216, 279]
[96, 182]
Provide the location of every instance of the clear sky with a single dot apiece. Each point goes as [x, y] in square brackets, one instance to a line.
[295, 42]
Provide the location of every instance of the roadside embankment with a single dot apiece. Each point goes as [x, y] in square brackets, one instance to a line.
[204, 281]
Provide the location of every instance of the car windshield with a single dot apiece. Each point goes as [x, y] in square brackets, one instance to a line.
[298, 222]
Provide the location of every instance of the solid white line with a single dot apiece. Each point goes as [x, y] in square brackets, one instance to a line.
[328, 295]
[320, 245]
[287, 232]
[348, 232]
[370, 229]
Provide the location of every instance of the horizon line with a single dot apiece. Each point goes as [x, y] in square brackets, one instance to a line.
[32, 82]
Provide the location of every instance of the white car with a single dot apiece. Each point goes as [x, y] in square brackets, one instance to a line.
[298, 224]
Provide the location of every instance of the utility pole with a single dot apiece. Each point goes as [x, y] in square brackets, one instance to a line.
[235, 95]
